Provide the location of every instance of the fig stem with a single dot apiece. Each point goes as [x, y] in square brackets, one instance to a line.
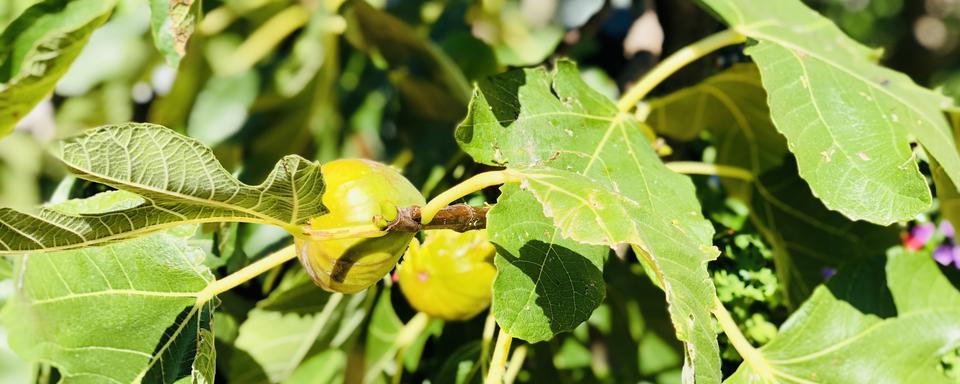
[516, 362]
[750, 355]
[489, 328]
[471, 185]
[499, 362]
[674, 62]
[253, 270]
[459, 217]
[698, 168]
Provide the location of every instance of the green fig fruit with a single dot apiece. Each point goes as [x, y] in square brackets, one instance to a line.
[356, 192]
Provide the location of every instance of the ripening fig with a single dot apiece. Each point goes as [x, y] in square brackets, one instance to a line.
[356, 192]
[450, 276]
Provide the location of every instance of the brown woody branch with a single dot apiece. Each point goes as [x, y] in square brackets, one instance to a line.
[459, 217]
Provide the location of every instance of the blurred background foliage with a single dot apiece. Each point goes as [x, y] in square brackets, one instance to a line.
[389, 80]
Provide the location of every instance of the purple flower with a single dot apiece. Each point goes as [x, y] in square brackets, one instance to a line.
[923, 232]
[945, 254]
[946, 228]
[827, 273]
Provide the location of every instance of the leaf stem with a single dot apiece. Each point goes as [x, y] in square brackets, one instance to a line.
[489, 328]
[471, 185]
[697, 168]
[750, 355]
[674, 62]
[516, 362]
[265, 38]
[253, 270]
[405, 337]
[499, 361]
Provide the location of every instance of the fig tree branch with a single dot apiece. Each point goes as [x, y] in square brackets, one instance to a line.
[459, 217]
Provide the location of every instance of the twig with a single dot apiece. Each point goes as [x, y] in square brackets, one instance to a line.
[459, 217]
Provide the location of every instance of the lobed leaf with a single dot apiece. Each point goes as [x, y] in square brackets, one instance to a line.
[596, 175]
[37, 48]
[885, 321]
[847, 119]
[806, 236]
[180, 181]
[133, 304]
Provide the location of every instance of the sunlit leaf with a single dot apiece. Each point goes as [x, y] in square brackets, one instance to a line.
[171, 23]
[133, 304]
[847, 119]
[872, 323]
[545, 284]
[597, 176]
[180, 181]
[38, 47]
[806, 236]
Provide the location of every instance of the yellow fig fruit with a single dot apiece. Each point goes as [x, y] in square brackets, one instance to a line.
[450, 276]
[357, 191]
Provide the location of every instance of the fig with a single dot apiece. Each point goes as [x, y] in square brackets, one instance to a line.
[356, 192]
[450, 276]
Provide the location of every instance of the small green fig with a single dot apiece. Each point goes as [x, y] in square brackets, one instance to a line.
[356, 192]
[450, 276]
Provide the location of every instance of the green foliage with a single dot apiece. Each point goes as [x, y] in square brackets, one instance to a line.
[830, 99]
[155, 327]
[807, 237]
[545, 284]
[172, 23]
[599, 179]
[850, 327]
[159, 251]
[180, 181]
[38, 47]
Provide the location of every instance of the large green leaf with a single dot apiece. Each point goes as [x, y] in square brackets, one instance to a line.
[38, 47]
[846, 118]
[116, 313]
[597, 176]
[873, 323]
[179, 180]
[806, 236]
[545, 284]
[171, 23]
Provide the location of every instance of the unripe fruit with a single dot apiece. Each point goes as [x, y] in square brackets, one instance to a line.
[356, 192]
[450, 276]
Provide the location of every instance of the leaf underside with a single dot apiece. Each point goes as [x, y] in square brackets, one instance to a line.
[846, 119]
[133, 304]
[179, 180]
[806, 236]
